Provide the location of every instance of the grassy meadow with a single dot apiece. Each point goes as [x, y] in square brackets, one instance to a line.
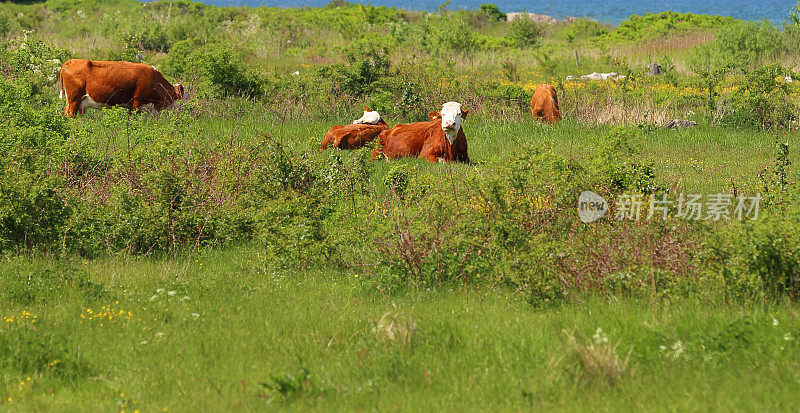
[212, 257]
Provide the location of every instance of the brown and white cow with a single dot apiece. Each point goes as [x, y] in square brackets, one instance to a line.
[544, 104]
[356, 135]
[441, 139]
[93, 84]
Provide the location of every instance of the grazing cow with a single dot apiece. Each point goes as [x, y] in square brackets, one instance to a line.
[95, 84]
[362, 131]
[439, 140]
[544, 104]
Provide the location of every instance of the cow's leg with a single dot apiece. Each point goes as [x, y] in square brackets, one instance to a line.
[72, 107]
[136, 104]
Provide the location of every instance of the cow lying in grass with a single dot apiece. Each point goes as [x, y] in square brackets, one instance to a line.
[356, 135]
[94, 84]
[544, 104]
[439, 140]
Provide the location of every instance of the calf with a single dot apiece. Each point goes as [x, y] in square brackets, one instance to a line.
[86, 84]
[441, 139]
[357, 134]
[544, 104]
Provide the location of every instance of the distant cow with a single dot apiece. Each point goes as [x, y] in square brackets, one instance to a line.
[356, 135]
[544, 104]
[439, 140]
[94, 84]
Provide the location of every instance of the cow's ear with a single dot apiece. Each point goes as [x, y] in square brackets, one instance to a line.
[464, 113]
[434, 114]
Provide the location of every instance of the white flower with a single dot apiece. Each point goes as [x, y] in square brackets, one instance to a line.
[153, 298]
[143, 342]
[171, 293]
[196, 315]
[160, 290]
[186, 298]
[159, 334]
[599, 336]
[774, 322]
[677, 349]
[662, 347]
[788, 336]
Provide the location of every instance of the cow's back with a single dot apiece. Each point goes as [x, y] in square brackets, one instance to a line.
[117, 83]
[352, 136]
[544, 103]
[407, 140]
[425, 140]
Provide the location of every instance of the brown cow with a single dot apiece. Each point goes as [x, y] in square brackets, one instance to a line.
[357, 134]
[94, 84]
[439, 140]
[544, 104]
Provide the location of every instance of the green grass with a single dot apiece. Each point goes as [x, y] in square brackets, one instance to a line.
[218, 331]
[224, 330]
[204, 332]
[706, 159]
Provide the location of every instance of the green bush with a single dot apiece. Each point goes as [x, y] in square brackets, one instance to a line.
[32, 60]
[762, 102]
[32, 214]
[366, 64]
[492, 12]
[525, 32]
[658, 24]
[760, 257]
[442, 36]
[5, 24]
[225, 74]
[746, 45]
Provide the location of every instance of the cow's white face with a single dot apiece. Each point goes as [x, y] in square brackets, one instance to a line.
[369, 117]
[452, 116]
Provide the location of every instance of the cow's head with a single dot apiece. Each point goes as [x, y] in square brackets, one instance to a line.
[370, 117]
[452, 115]
[179, 92]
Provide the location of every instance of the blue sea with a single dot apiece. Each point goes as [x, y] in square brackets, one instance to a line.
[608, 11]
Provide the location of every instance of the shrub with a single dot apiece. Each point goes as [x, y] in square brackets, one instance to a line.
[763, 101]
[442, 36]
[583, 28]
[653, 25]
[5, 24]
[225, 74]
[492, 12]
[32, 214]
[525, 32]
[33, 60]
[768, 249]
[747, 45]
[366, 64]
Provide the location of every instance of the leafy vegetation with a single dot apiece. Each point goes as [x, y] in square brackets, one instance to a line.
[213, 256]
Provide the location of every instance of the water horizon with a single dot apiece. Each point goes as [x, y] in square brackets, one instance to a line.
[610, 11]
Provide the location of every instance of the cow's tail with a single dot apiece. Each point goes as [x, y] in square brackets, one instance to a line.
[62, 93]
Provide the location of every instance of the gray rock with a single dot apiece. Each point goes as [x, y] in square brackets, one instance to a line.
[679, 124]
[537, 18]
[654, 69]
